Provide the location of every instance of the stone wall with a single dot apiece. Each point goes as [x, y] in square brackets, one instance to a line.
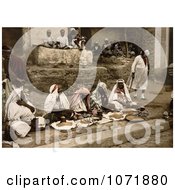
[50, 57]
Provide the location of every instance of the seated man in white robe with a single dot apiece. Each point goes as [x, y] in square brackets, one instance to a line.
[18, 114]
[120, 96]
[100, 95]
[62, 40]
[49, 41]
[57, 105]
[18, 108]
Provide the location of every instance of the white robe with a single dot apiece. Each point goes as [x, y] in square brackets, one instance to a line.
[8, 88]
[77, 103]
[63, 41]
[79, 107]
[48, 40]
[121, 100]
[19, 113]
[15, 112]
[5, 94]
[86, 57]
[140, 80]
[96, 96]
[56, 101]
[19, 129]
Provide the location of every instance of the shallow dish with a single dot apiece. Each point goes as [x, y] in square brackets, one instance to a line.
[133, 118]
[116, 116]
[64, 125]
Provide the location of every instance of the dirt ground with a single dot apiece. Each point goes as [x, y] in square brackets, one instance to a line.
[165, 142]
[155, 109]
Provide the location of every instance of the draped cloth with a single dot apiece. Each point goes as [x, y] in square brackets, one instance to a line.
[86, 57]
[19, 117]
[6, 91]
[56, 101]
[77, 104]
[120, 98]
[63, 41]
[13, 111]
[97, 96]
[8, 88]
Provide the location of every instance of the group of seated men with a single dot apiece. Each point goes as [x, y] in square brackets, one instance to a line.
[108, 49]
[81, 104]
[63, 41]
[75, 40]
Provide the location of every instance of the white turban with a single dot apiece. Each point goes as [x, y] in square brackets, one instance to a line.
[147, 53]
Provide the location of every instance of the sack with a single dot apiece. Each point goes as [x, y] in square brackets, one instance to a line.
[20, 128]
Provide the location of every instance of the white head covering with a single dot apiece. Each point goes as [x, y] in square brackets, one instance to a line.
[52, 98]
[14, 97]
[52, 90]
[147, 52]
[127, 95]
[72, 29]
[48, 30]
[77, 98]
[96, 96]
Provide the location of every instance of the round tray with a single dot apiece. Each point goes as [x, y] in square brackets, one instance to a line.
[114, 116]
[84, 122]
[133, 118]
[70, 125]
[129, 111]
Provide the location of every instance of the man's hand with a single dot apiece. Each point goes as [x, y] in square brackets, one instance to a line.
[22, 103]
[32, 109]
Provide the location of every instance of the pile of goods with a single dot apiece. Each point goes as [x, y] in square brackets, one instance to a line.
[131, 115]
